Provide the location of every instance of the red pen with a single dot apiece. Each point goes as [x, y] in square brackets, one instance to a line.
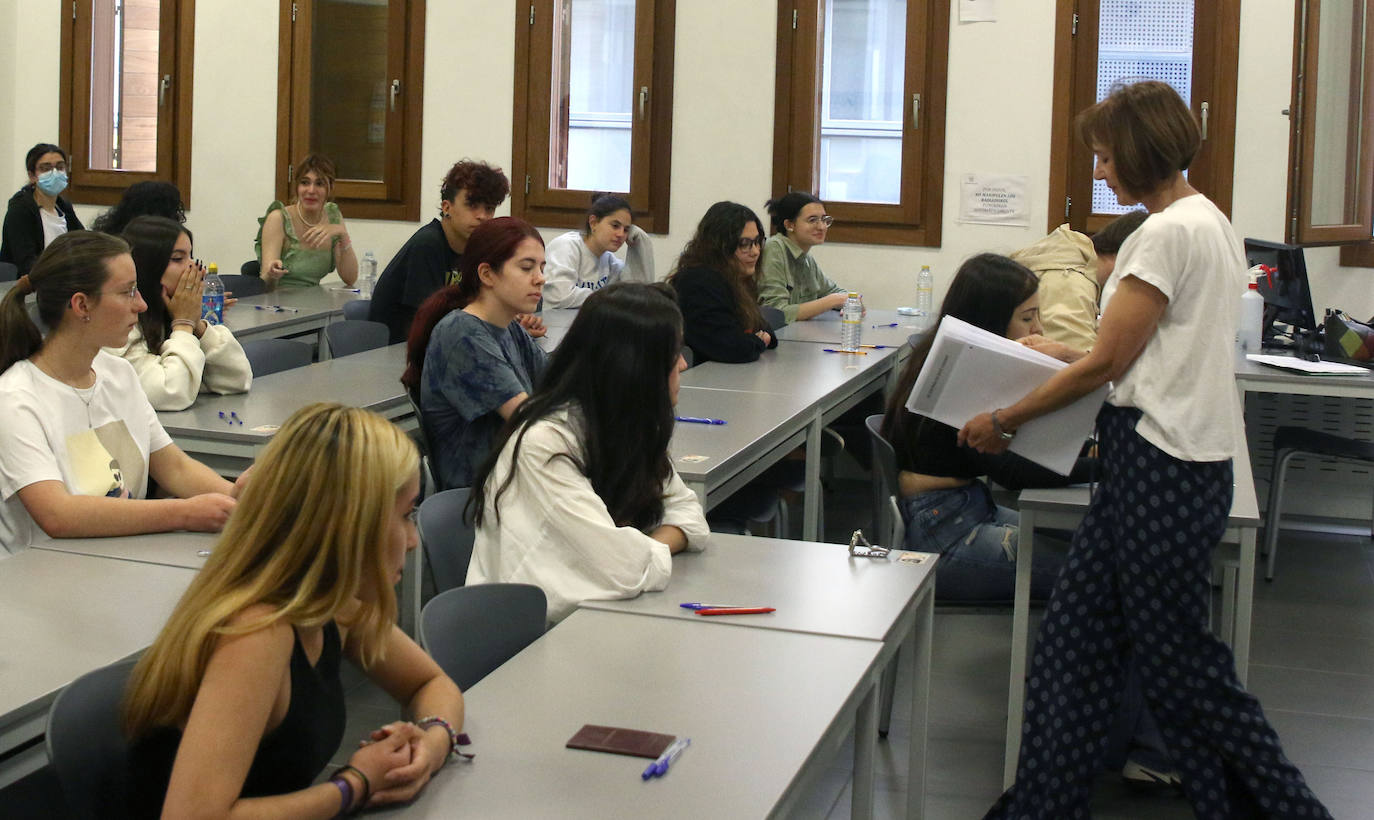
[736, 610]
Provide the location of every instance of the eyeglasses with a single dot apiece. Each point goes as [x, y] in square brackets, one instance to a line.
[44, 167]
[131, 293]
[746, 244]
[414, 515]
[826, 220]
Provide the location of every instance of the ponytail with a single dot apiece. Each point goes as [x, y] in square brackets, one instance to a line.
[436, 307]
[19, 336]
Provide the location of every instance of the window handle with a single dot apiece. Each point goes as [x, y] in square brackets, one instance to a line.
[915, 111]
[162, 86]
[643, 100]
[395, 92]
[1206, 110]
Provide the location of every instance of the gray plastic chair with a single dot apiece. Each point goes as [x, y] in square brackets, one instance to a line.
[355, 336]
[470, 631]
[8, 271]
[357, 309]
[446, 538]
[689, 357]
[240, 286]
[775, 318]
[251, 268]
[887, 514]
[1295, 441]
[86, 744]
[267, 356]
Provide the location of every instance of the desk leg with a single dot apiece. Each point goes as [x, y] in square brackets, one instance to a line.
[322, 345]
[1245, 602]
[865, 749]
[411, 580]
[811, 503]
[918, 643]
[1020, 626]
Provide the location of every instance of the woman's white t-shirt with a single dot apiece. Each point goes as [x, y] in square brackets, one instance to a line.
[95, 441]
[1184, 379]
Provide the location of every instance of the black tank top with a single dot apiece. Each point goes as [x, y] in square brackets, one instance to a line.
[288, 758]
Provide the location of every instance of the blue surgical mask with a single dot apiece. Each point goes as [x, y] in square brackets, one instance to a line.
[52, 182]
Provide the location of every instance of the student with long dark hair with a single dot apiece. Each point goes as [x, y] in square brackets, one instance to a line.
[579, 496]
[469, 360]
[80, 439]
[152, 197]
[716, 288]
[175, 352]
[584, 260]
[789, 277]
[946, 506]
[37, 213]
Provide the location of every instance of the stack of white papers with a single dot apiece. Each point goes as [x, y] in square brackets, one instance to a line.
[971, 371]
[1310, 368]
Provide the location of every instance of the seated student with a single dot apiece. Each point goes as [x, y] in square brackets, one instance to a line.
[469, 195]
[583, 261]
[469, 361]
[177, 354]
[1108, 241]
[716, 289]
[299, 244]
[238, 704]
[80, 439]
[150, 198]
[789, 278]
[1064, 262]
[579, 496]
[37, 213]
[946, 506]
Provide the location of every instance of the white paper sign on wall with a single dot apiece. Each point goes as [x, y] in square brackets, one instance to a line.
[977, 11]
[994, 199]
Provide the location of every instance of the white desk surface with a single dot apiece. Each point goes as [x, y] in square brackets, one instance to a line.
[825, 328]
[720, 687]
[794, 369]
[314, 308]
[1258, 378]
[170, 549]
[755, 422]
[816, 588]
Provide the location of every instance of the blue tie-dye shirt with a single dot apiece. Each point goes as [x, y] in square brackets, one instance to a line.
[471, 368]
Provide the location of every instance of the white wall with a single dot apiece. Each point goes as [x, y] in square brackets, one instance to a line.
[997, 121]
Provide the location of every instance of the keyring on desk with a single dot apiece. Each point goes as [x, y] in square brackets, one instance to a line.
[860, 548]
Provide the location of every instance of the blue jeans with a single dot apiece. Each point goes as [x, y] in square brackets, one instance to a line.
[976, 540]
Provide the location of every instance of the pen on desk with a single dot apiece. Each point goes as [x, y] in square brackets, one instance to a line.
[660, 766]
[695, 605]
[877, 347]
[224, 418]
[235, 416]
[737, 610]
[889, 324]
[277, 308]
[699, 420]
[850, 352]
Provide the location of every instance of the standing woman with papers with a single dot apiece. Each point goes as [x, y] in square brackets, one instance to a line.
[1138, 576]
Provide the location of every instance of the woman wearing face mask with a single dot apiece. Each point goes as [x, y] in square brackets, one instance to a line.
[37, 213]
[580, 262]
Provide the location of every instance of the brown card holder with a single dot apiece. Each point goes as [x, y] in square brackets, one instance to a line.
[620, 741]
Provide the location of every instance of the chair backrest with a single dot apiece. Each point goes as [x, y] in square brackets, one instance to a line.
[470, 631]
[354, 336]
[688, 356]
[885, 476]
[357, 309]
[446, 538]
[775, 318]
[239, 285]
[8, 271]
[274, 355]
[86, 744]
[251, 268]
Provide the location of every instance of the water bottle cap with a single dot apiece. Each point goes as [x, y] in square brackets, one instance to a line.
[853, 294]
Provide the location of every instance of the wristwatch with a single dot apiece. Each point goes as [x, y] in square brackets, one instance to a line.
[997, 426]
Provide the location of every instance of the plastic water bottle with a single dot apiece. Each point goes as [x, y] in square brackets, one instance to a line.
[212, 297]
[925, 292]
[851, 322]
[1250, 322]
[369, 275]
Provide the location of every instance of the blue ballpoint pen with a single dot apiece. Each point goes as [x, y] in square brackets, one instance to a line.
[890, 324]
[698, 420]
[660, 766]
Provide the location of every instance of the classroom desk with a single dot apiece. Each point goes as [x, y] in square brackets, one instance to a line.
[315, 307]
[1258, 378]
[825, 328]
[1063, 509]
[370, 380]
[766, 711]
[61, 616]
[187, 550]
[817, 589]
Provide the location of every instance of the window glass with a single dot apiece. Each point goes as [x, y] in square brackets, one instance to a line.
[125, 85]
[594, 99]
[350, 91]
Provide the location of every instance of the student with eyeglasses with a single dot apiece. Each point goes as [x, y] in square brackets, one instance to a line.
[37, 213]
[80, 439]
[790, 279]
[716, 288]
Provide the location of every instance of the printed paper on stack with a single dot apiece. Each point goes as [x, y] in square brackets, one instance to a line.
[971, 371]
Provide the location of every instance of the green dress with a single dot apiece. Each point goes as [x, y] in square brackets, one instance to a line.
[305, 267]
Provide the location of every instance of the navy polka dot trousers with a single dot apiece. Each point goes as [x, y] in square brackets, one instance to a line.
[1138, 580]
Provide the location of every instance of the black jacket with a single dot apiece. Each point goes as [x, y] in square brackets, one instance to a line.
[22, 240]
[711, 323]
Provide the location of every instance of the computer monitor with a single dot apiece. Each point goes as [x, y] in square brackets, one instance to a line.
[1289, 320]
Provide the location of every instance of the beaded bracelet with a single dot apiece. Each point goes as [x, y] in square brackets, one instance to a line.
[455, 739]
[367, 785]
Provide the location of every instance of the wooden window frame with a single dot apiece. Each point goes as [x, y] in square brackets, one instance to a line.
[397, 195]
[1075, 81]
[916, 220]
[532, 198]
[176, 50]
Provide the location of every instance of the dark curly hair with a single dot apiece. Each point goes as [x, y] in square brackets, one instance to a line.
[481, 183]
[150, 198]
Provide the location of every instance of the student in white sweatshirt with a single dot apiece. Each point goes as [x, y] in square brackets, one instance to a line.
[579, 496]
[580, 262]
[177, 354]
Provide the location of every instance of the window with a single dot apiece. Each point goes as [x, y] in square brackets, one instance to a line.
[860, 114]
[593, 108]
[1192, 46]
[350, 76]
[125, 110]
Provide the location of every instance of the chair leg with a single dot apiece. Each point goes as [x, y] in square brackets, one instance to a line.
[1274, 515]
[782, 520]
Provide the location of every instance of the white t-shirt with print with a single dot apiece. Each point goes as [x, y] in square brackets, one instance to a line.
[95, 441]
[1184, 380]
